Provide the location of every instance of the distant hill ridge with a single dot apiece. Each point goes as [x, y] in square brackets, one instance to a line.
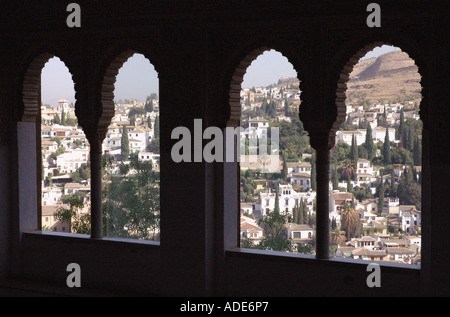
[389, 77]
[386, 64]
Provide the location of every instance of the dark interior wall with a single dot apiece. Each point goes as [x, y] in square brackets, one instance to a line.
[196, 47]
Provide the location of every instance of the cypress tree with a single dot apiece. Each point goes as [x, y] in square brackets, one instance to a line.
[369, 143]
[277, 203]
[411, 138]
[284, 172]
[334, 177]
[286, 108]
[401, 125]
[313, 172]
[405, 137]
[384, 118]
[417, 152]
[349, 186]
[156, 127]
[305, 213]
[301, 218]
[63, 118]
[295, 213]
[387, 149]
[124, 144]
[354, 151]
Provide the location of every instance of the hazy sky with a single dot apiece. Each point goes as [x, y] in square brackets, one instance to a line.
[138, 78]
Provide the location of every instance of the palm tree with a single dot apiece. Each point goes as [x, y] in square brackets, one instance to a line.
[347, 170]
[349, 220]
[337, 237]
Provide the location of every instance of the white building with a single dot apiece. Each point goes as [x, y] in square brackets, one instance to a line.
[346, 136]
[70, 161]
[250, 230]
[287, 200]
[364, 172]
[302, 179]
[410, 218]
[298, 167]
[51, 195]
[299, 233]
[257, 128]
[149, 156]
[337, 202]
[379, 134]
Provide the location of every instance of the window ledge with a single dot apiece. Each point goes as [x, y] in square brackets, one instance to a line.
[83, 238]
[311, 259]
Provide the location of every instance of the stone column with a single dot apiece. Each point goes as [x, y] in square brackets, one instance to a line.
[320, 142]
[95, 142]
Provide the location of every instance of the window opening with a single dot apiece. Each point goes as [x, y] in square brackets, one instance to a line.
[65, 171]
[375, 202]
[131, 156]
[270, 98]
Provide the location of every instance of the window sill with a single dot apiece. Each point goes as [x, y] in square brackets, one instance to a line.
[280, 256]
[83, 238]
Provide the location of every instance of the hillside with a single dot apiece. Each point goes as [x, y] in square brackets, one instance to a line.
[390, 77]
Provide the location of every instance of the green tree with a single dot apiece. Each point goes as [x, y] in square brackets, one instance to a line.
[287, 113]
[133, 121]
[350, 221]
[334, 177]
[78, 143]
[387, 149]
[313, 172]
[132, 203]
[63, 118]
[417, 152]
[274, 230]
[408, 191]
[124, 144]
[295, 213]
[354, 150]
[284, 171]
[370, 147]
[156, 128]
[401, 126]
[301, 212]
[347, 170]
[56, 119]
[149, 106]
[78, 222]
[380, 204]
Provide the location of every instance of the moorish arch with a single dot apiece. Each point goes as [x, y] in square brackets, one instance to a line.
[344, 77]
[107, 87]
[31, 87]
[234, 98]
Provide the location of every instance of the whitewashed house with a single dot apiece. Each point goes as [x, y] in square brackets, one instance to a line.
[288, 198]
[250, 230]
[299, 233]
[410, 218]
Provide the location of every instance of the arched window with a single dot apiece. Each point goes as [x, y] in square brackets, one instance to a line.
[65, 192]
[376, 163]
[131, 155]
[276, 160]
